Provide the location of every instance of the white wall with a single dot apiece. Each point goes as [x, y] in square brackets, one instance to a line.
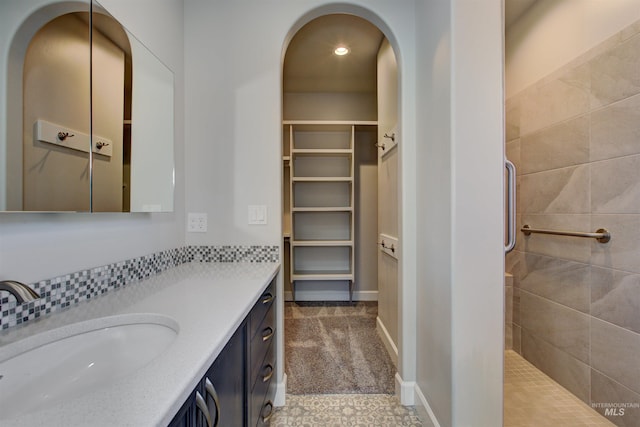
[233, 138]
[434, 370]
[233, 65]
[233, 60]
[233, 151]
[555, 31]
[460, 254]
[38, 246]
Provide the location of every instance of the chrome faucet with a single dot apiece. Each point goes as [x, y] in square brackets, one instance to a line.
[22, 292]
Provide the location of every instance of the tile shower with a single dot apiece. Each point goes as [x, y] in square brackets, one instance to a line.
[574, 137]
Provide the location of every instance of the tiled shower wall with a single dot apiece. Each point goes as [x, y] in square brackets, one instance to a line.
[575, 139]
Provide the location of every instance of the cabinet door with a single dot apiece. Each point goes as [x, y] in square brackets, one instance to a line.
[227, 376]
[186, 416]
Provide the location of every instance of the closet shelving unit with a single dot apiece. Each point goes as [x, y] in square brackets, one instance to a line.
[321, 200]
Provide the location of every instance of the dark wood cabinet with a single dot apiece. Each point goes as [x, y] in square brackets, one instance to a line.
[219, 397]
[262, 359]
[239, 387]
[186, 416]
[227, 376]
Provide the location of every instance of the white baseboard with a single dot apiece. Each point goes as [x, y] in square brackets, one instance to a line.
[405, 390]
[410, 395]
[281, 392]
[423, 408]
[331, 296]
[387, 341]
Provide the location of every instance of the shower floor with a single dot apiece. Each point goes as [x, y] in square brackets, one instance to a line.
[531, 398]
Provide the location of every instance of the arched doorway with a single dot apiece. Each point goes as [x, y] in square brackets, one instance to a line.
[310, 96]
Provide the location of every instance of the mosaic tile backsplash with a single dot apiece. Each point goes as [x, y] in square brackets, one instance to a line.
[65, 291]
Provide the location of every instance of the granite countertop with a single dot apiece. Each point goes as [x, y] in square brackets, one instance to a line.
[207, 300]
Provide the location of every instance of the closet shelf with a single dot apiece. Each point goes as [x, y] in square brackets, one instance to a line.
[322, 179]
[322, 152]
[322, 275]
[319, 243]
[325, 124]
[323, 209]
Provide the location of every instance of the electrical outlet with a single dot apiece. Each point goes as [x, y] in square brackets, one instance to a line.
[197, 222]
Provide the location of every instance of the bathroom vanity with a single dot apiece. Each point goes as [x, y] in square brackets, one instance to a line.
[239, 388]
[219, 362]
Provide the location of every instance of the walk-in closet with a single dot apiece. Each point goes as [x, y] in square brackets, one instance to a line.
[340, 169]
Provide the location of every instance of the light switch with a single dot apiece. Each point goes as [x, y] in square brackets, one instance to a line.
[257, 214]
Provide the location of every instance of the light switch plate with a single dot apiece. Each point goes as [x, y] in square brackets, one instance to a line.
[257, 214]
[197, 222]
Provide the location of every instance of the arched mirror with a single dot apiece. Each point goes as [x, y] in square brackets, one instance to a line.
[88, 111]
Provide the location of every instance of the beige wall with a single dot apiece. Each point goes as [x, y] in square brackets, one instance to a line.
[554, 32]
[56, 89]
[366, 224]
[329, 106]
[108, 122]
[388, 202]
[574, 138]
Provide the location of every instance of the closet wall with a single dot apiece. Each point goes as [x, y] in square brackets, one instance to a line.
[388, 206]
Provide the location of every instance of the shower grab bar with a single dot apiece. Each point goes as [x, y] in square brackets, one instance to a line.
[511, 206]
[602, 235]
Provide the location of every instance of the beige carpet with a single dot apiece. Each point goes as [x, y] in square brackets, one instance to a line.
[334, 348]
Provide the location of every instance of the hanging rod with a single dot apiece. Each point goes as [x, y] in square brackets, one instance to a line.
[602, 235]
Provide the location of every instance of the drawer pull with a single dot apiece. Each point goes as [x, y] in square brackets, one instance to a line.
[202, 406]
[267, 298]
[211, 391]
[268, 376]
[266, 418]
[267, 334]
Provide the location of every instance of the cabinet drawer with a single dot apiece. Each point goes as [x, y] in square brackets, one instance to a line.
[265, 302]
[261, 405]
[266, 411]
[260, 344]
[262, 372]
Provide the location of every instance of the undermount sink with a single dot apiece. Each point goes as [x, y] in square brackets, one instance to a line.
[44, 369]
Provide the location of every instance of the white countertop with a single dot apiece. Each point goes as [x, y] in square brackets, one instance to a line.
[207, 300]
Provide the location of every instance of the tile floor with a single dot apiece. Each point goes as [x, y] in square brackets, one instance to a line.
[533, 399]
[329, 410]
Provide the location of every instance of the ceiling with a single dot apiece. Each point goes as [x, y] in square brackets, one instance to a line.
[311, 66]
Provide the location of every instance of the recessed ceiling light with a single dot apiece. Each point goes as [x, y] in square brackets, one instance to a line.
[341, 50]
